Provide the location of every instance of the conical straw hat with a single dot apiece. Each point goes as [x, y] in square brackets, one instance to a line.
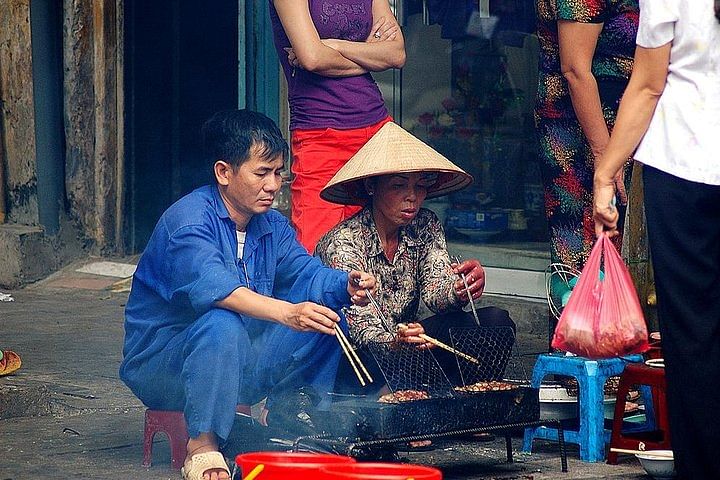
[393, 150]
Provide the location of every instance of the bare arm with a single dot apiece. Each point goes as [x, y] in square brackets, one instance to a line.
[377, 53]
[577, 47]
[309, 53]
[636, 111]
[305, 317]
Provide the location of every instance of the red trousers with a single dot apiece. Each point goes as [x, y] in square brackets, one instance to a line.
[317, 155]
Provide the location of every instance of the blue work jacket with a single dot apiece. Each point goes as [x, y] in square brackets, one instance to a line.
[191, 262]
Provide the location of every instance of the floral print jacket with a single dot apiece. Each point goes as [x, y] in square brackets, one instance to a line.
[420, 270]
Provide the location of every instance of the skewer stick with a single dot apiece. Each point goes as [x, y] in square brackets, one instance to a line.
[381, 315]
[472, 300]
[450, 349]
[346, 351]
[654, 453]
[457, 259]
[343, 338]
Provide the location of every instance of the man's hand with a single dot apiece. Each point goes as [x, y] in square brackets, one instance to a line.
[410, 333]
[310, 317]
[358, 284]
[474, 276]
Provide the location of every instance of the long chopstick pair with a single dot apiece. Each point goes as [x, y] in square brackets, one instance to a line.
[352, 356]
[457, 259]
[643, 452]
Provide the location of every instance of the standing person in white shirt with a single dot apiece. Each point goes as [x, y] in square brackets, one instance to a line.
[671, 109]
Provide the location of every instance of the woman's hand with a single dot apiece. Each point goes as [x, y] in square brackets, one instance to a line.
[358, 285]
[474, 276]
[410, 333]
[604, 211]
[292, 58]
[383, 30]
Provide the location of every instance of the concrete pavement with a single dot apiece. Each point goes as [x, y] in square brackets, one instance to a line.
[65, 414]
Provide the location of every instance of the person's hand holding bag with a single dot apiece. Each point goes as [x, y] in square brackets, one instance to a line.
[603, 318]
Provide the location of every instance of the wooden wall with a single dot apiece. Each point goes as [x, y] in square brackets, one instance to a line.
[17, 118]
[93, 118]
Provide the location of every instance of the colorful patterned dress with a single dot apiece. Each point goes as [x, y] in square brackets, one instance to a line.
[565, 156]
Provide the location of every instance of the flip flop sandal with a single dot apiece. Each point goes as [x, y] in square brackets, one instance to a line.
[9, 363]
[201, 463]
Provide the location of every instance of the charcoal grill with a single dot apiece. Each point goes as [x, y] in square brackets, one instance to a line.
[359, 422]
[364, 418]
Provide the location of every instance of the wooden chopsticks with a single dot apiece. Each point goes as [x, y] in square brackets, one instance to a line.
[352, 357]
[654, 453]
[450, 349]
[442, 345]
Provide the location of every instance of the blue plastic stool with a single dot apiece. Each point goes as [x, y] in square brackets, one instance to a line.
[591, 376]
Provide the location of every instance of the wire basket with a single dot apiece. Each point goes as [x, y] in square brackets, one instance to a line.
[492, 346]
[405, 367]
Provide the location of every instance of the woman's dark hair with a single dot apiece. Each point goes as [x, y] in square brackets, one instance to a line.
[717, 10]
[229, 135]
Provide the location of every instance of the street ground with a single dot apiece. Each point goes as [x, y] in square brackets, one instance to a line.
[65, 414]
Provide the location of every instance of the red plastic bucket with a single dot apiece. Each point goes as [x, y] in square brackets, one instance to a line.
[285, 465]
[379, 471]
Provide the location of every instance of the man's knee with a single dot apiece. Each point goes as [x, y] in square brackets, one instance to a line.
[226, 330]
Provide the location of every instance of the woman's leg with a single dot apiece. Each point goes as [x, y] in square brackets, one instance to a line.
[567, 170]
[684, 232]
[317, 157]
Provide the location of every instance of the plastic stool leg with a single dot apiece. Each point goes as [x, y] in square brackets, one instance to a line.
[178, 447]
[592, 418]
[148, 436]
[539, 372]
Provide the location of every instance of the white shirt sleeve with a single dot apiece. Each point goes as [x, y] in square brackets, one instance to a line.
[657, 22]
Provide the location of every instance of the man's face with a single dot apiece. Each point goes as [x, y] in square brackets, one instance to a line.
[250, 188]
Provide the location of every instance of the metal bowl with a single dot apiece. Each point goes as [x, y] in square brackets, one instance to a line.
[659, 464]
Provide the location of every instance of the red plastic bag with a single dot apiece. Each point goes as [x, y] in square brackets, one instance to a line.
[603, 318]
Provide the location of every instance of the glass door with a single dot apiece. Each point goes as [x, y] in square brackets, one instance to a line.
[468, 89]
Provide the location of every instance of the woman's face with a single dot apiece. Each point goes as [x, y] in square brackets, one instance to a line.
[398, 198]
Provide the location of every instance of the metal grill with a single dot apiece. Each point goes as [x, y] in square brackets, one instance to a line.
[405, 367]
[492, 346]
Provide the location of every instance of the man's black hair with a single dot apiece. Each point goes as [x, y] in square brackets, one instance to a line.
[229, 135]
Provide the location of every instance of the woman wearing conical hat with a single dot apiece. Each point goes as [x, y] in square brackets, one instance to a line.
[403, 244]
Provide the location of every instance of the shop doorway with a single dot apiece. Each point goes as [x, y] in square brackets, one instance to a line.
[181, 65]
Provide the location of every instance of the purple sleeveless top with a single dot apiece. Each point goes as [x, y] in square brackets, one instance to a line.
[324, 102]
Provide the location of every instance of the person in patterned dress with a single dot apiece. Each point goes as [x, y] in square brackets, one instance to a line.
[403, 245]
[586, 56]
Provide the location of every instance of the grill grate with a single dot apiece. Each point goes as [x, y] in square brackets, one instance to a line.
[492, 346]
[405, 367]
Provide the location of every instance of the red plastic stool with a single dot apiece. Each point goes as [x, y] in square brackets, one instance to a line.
[651, 380]
[171, 424]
